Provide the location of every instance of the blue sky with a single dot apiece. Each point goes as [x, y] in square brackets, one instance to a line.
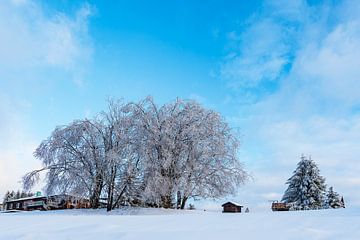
[285, 73]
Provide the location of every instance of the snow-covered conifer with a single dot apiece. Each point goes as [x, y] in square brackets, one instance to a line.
[333, 199]
[7, 197]
[306, 188]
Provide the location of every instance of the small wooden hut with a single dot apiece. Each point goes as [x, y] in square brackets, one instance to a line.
[231, 207]
[280, 206]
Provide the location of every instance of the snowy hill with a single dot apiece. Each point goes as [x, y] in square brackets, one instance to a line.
[172, 224]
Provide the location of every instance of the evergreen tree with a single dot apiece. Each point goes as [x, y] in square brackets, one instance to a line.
[18, 194]
[333, 199]
[26, 194]
[306, 188]
[7, 197]
[23, 194]
[343, 202]
[12, 195]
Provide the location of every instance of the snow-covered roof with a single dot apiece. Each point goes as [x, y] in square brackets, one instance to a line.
[36, 197]
[26, 198]
[234, 203]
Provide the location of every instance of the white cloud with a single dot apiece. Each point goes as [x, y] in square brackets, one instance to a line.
[271, 196]
[16, 145]
[335, 64]
[31, 38]
[311, 111]
[253, 63]
[35, 43]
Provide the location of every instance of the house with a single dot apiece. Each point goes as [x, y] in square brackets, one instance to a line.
[231, 207]
[61, 201]
[27, 203]
[65, 201]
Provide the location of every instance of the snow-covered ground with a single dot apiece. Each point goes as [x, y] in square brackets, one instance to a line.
[185, 225]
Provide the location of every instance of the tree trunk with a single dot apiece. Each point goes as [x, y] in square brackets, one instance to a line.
[111, 186]
[178, 200]
[110, 200]
[119, 197]
[95, 197]
[166, 201]
[183, 202]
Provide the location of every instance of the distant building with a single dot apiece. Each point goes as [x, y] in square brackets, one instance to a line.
[53, 202]
[280, 206]
[28, 203]
[231, 207]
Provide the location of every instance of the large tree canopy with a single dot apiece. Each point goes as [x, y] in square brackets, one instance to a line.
[141, 153]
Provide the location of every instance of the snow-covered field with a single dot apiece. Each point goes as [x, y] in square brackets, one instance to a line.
[185, 225]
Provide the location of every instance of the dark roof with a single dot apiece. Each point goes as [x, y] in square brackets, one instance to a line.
[232, 203]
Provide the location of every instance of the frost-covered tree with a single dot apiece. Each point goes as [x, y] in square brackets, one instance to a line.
[187, 152]
[306, 188]
[72, 159]
[120, 156]
[91, 157]
[210, 165]
[142, 154]
[333, 199]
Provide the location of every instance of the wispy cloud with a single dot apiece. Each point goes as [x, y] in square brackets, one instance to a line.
[31, 38]
[251, 63]
[310, 52]
[34, 45]
[16, 144]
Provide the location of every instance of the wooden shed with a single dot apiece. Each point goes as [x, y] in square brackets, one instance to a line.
[231, 207]
[280, 206]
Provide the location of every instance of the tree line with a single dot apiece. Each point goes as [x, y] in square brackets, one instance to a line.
[139, 153]
[10, 195]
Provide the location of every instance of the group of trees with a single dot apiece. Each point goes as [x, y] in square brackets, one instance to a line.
[307, 189]
[9, 195]
[138, 153]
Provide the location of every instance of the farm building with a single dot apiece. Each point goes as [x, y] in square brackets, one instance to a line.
[231, 207]
[62, 201]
